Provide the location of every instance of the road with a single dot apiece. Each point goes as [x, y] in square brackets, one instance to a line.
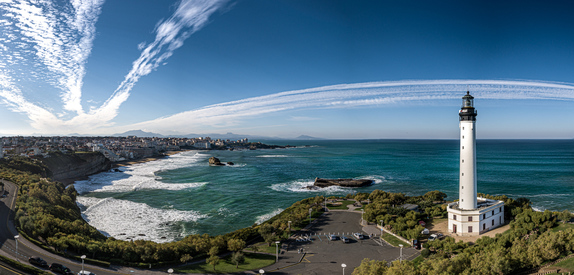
[27, 249]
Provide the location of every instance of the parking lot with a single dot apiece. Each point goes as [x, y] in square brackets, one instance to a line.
[322, 256]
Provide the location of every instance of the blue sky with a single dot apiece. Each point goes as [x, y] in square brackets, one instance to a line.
[331, 69]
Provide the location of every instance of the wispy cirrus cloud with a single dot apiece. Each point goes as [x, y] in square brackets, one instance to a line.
[50, 41]
[354, 96]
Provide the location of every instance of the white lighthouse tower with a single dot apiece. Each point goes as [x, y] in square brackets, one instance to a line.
[471, 215]
[467, 182]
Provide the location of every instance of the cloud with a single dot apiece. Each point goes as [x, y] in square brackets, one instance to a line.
[53, 40]
[355, 96]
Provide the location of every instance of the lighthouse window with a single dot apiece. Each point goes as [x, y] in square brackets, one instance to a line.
[462, 187]
[463, 161]
[470, 229]
[462, 147]
[492, 222]
[462, 137]
[463, 174]
[463, 128]
[469, 219]
[454, 217]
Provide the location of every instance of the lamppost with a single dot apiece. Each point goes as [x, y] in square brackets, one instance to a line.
[362, 214]
[310, 211]
[325, 204]
[343, 266]
[83, 257]
[170, 271]
[16, 238]
[277, 251]
[401, 256]
[289, 228]
[382, 230]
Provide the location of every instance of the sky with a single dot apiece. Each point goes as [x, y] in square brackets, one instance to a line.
[329, 69]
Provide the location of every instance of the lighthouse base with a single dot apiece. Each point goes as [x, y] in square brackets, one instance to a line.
[488, 215]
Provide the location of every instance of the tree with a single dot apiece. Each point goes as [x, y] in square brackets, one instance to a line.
[213, 260]
[186, 258]
[371, 267]
[237, 258]
[267, 232]
[235, 245]
[565, 216]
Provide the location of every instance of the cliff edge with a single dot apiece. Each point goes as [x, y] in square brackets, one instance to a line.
[69, 167]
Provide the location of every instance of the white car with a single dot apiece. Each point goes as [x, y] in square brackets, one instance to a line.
[85, 272]
[425, 231]
[359, 236]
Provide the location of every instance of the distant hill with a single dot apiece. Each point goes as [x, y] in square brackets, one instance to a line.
[306, 137]
[138, 133]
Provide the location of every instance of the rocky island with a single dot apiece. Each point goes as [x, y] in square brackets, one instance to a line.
[321, 183]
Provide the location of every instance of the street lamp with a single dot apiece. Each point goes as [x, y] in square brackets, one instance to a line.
[325, 204]
[16, 238]
[170, 271]
[381, 230]
[83, 257]
[289, 228]
[401, 256]
[362, 214]
[343, 266]
[277, 251]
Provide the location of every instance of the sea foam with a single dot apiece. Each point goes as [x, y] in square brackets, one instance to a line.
[126, 220]
[142, 176]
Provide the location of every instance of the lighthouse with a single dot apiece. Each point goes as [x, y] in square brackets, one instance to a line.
[467, 177]
[471, 215]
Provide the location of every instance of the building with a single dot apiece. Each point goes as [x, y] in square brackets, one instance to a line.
[471, 215]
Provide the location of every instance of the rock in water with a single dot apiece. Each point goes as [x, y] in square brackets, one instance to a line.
[230, 163]
[215, 161]
[342, 182]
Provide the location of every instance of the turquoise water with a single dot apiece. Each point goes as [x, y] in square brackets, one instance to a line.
[180, 195]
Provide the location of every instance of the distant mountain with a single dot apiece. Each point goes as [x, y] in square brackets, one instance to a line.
[306, 137]
[138, 133]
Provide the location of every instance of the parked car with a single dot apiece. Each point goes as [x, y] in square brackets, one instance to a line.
[422, 223]
[59, 268]
[35, 260]
[433, 237]
[344, 239]
[333, 238]
[358, 236]
[85, 272]
[416, 244]
[425, 231]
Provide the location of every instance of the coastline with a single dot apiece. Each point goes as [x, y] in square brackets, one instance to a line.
[148, 159]
[124, 163]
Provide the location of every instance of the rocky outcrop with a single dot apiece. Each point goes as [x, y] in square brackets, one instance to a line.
[68, 167]
[213, 161]
[341, 182]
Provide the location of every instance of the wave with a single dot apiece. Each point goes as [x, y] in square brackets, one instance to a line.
[273, 156]
[142, 176]
[301, 186]
[263, 218]
[126, 220]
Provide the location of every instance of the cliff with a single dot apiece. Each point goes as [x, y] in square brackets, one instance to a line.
[68, 167]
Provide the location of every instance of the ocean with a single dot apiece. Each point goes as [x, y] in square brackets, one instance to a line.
[170, 198]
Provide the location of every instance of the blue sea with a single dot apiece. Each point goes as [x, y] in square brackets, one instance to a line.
[168, 199]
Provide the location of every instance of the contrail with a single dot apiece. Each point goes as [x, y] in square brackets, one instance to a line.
[359, 95]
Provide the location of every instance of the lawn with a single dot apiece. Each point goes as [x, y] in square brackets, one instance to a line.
[394, 241]
[566, 265]
[252, 261]
[342, 205]
[263, 247]
[562, 226]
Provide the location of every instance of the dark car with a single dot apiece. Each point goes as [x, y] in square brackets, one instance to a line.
[56, 267]
[38, 261]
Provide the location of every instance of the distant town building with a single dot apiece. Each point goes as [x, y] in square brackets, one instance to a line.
[471, 215]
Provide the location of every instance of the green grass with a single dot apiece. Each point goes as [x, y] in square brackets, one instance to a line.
[562, 226]
[263, 247]
[394, 241]
[566, 264]
[343, 205]
[252, 261]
